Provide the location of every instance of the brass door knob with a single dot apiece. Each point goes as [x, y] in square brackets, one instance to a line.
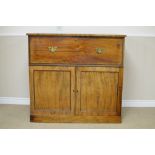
[52, 49]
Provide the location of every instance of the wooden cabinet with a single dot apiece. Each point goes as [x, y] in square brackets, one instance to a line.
[76, 78]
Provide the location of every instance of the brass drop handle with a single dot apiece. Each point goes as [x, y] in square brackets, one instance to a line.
[52, 49]
[99, 50]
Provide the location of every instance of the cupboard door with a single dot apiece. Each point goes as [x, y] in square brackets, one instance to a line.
[51, 90]
[97, 91]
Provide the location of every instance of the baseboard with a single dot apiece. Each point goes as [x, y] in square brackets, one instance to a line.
[125, 103]
[138, 103]
[14, 100]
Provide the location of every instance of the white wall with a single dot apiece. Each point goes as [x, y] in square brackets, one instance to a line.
[128, 30]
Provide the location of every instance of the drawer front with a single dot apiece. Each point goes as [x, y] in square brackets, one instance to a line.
[76, 50]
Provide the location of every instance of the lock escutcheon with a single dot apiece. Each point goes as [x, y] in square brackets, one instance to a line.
[52, 49]
[99, 50]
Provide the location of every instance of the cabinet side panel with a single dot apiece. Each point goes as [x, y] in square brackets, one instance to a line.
[31, 85]
[120, 88]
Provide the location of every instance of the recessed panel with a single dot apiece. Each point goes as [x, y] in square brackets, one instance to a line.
[52, 91]
[98, 92]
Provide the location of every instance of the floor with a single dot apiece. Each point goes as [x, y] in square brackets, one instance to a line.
[17, 116]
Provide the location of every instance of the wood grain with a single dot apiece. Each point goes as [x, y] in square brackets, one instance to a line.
[52, 89]
[75, 119]
[97, 91]
[75, 50]
[120, 89]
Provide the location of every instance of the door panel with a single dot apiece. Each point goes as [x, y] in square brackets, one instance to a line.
[52, 88]
[97, 90]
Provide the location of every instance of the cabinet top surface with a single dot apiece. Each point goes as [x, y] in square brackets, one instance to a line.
[77, 35]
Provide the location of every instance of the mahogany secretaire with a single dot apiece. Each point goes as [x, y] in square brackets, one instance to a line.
[76, 77]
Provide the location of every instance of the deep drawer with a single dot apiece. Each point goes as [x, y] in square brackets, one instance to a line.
[75, 50]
